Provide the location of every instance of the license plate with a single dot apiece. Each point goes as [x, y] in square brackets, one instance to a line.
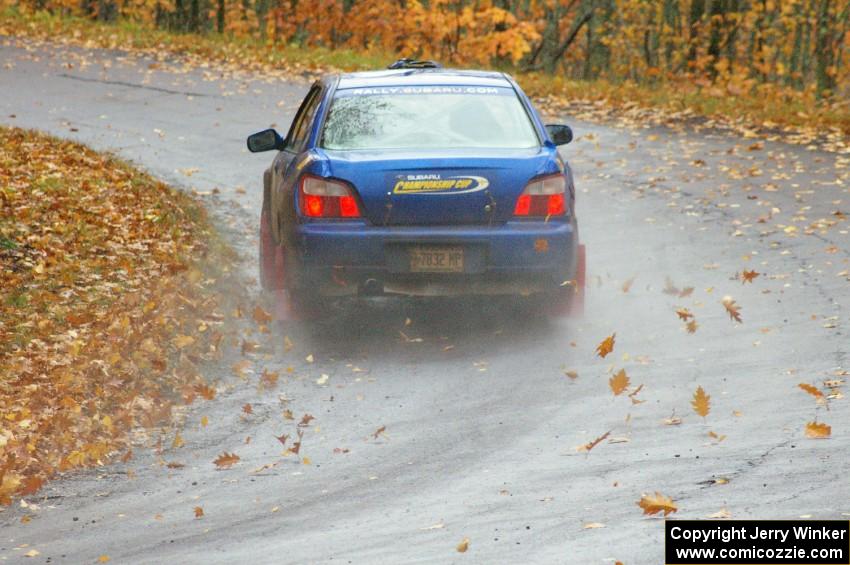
[433, 259]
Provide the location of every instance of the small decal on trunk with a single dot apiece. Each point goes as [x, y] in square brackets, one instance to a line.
[435, 183]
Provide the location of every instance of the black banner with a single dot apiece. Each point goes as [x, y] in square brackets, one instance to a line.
[757, 542]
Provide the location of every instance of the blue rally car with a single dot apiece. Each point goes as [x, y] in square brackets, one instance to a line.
[419, 180]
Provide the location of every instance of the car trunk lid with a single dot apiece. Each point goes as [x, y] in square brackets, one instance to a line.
[428, 188]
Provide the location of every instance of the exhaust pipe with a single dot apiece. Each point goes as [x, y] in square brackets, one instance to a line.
[372, 287]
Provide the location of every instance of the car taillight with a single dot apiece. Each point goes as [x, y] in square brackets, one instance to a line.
[544, 196]
[325, 198]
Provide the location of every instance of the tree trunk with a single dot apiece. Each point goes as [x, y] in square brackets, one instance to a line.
[824, 49]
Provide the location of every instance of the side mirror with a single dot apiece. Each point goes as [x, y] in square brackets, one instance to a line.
[265, 141]
[560, 134]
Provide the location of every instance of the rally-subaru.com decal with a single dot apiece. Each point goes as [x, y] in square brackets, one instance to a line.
[436, 183]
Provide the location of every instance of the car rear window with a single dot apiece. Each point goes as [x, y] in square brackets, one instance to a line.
[428, 117]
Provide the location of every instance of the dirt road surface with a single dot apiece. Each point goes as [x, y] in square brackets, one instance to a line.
[481, 421]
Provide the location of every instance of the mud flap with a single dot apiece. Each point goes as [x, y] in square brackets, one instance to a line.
[271, 257]
[577, 300]
[568, 301]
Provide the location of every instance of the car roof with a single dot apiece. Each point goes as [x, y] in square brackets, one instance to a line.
[423, 77]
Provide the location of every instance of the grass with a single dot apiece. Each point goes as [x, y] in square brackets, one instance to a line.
[768, 107]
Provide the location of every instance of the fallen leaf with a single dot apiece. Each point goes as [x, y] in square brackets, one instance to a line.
[199, 512]
[305, 420]
[748, 276]
[593, 525]
[701, 402]
[619, 382]
[733, 309]
[240, 368]
[182, 341]
[673, 420]
[379, 431]
[816, 430]
[261, 316]
[684, 314]
[634, 393]
[463, 545]
[588, 446]
[606, 346]
[207, 392]
[655, 503]
[269, 379]
[813, 391]
[30, 485]
[573, 375]
[721, 514]
[226, 460]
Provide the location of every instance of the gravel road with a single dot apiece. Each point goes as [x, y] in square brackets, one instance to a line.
[481, 421]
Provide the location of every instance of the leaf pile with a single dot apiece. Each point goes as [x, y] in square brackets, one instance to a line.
[105, 308]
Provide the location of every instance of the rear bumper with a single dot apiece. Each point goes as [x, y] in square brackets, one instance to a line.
[513, 258]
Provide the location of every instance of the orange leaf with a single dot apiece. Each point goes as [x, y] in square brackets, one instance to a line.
[684, 314]
[205, 391]
[240, 367]
[248, 409]
[588, 446]
[733, 309]
[226, 460]
[655, 503]
[619, 382]
[748, 276]
[30, 485]
[813, 391]
[607, 346]
[691, 326]
[199, 512]
[379, 431]
[269, 379]
[305, 420]
[261, 316]
[701, 402]
[634, 394]
[817, 430]
[463, 545]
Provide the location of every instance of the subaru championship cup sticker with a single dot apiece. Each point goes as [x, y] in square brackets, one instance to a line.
[436, 183]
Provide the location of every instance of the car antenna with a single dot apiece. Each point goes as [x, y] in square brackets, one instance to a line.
[410, 63]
